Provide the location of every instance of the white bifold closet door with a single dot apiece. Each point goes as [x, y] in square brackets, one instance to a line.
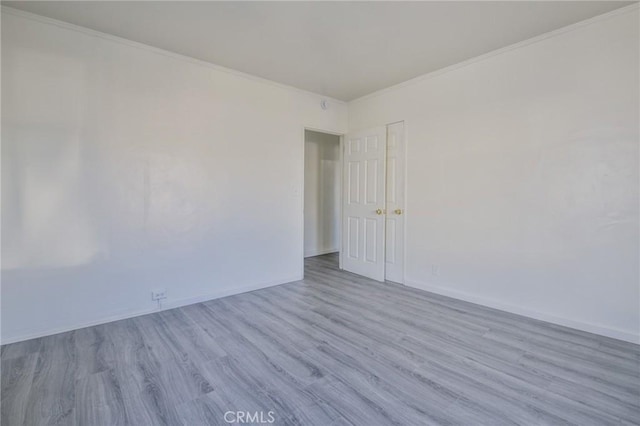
[363, 230]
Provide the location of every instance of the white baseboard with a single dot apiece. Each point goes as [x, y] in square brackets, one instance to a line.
[311, 253]
[579, 325]
[614, 333]
[33, 334]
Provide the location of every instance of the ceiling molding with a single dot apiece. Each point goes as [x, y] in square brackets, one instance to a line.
[159, 51]
[551, 34]
[300, 88]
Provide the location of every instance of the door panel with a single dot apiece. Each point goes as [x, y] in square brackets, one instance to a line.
[364, 194]
[354, 182]
[352, 235]
[395, 203]
[390, 254]
[370, 238]
[371, 181]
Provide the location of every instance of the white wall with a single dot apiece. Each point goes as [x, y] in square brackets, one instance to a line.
[125, 168]
[523, 177]
[321, 193]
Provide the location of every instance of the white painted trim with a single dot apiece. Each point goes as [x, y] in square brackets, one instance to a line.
[156, 50]
[28, 334]
[341, 179]
[303, 172]
[328, 132]
[407, 212]
[506, 49]
[313, 253]
[614, 333]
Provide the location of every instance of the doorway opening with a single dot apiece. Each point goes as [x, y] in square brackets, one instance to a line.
[354, 200]
[322, 193]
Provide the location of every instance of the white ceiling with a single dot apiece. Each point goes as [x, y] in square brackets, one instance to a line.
[339, 49]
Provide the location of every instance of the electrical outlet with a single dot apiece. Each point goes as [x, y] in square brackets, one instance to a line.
[159, 294]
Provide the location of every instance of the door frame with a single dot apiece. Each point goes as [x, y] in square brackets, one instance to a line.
[406, 199]
[406, 192]
[328, 132]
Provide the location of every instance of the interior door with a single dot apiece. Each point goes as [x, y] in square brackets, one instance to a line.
[363, 231]
[394, 242]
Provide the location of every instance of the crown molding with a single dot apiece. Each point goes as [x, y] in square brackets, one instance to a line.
[159, 51]
[519, 45]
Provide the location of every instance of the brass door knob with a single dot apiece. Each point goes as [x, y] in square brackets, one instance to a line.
[379, 211]
[398, 211]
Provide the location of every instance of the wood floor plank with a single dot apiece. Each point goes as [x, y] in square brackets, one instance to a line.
[332, 349]
[201, 411]
[363, 408]
[99, 400]
[146, 397]
[52, 396]
[19, 349]
[92, 349]
[331, 363]
[276, 372]
[17, 377]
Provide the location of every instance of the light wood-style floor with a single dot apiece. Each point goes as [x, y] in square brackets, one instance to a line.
[334, 349]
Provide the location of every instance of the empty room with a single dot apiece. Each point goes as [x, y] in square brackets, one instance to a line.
[320, 213]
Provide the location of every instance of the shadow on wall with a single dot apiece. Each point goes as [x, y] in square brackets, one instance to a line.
[45, 222]
[73, 197]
